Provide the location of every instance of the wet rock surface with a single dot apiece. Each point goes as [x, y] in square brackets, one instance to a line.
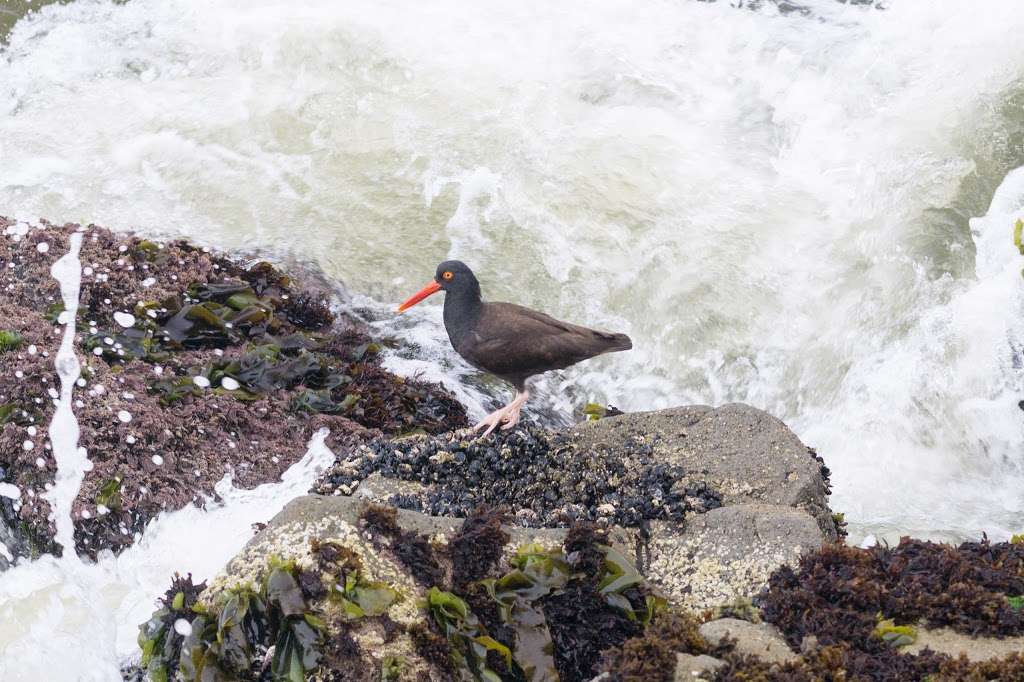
[543, 478]
[745, 454]
[761, 640]
[754, 639]
[557, 598]
[591, 552]
[861, 611]
[690, 667]
[656, 475]
[728, 553]
[956, 644]
[194, 366]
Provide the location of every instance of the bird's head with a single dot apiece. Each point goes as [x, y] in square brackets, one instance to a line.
[452, 276]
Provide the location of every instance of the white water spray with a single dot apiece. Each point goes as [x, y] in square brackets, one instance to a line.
[72, 461]
[761, 201]
[69, 621]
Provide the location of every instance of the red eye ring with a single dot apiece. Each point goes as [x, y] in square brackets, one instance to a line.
[447, 275]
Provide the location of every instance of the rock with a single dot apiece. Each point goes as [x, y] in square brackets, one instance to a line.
[946, 641]
[540, 475]
[381, 557]
[742, 452]
[376, 488]
[336, 518]
[714, 558]
[727, 553]
[761, 640]
[672, 468]
[689, 666]
[158, 424]
[809, 644]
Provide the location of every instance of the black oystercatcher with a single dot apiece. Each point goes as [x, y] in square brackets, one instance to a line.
[508, 340]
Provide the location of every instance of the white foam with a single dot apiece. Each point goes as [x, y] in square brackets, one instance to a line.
[72, 462]
[64, 622]
[748, 195]
[124, 319]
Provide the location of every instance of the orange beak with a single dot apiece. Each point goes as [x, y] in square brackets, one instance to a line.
[431, 288]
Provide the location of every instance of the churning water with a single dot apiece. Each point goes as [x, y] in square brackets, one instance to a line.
[809, 212]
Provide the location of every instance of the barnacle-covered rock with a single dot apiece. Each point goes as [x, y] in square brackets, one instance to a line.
[194, 366]
[729, 553]
[521, 604]
[656, 473]
[743, 453]
[543, 477]
[762, 640]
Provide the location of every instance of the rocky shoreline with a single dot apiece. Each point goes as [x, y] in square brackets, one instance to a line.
[194, 366]
[694, 542]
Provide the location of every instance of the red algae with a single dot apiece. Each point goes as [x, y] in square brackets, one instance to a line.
[153, 451]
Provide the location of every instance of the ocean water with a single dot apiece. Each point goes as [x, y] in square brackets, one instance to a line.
[809, 212]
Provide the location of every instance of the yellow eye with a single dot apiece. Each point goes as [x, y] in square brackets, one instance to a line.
[447, 275]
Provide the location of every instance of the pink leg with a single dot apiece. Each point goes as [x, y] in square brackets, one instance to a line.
[512, 418]
[508, 416]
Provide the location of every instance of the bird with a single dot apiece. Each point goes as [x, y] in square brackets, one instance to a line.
[507, 340]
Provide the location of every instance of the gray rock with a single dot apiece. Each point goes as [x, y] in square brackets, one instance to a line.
[10, 543]
[745, 453]
[721, 556]
[809, 644]
[689, 666]
[946, 641]
[776, 505]
[761, 640]
[336, 519]
[727, 553]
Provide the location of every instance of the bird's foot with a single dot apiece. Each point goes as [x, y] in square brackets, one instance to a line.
[507, 417]
[493, 420]
[512, 418]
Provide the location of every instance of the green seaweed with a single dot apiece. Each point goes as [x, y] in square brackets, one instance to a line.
[158, 640]
[621, 575]
[742, 608]
[109, 494]
[468, 639]
[271, 367]
[9, 340]
[360, 598]
[391, 668]
[53, 312]
[147, 250]
[271, 333]
[125, 345]
[364, 349]
[207, 315]
[895, 635]
[537, 574]
[12, 412]
[225, 640]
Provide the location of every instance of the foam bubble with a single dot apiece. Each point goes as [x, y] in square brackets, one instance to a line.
[124, 319]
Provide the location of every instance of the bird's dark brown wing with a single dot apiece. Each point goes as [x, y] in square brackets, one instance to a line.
[514, 342]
